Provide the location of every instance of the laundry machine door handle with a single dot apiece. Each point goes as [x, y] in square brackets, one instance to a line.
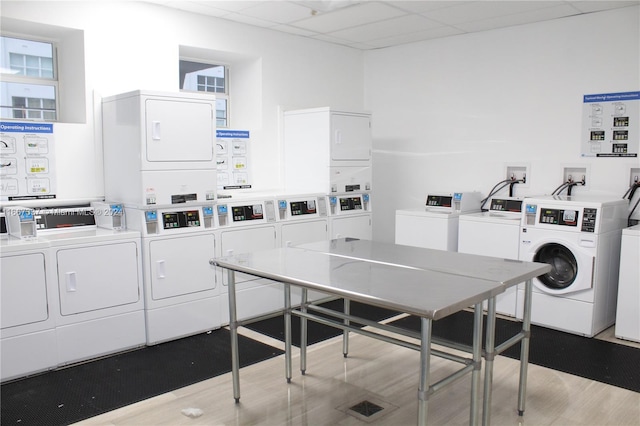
[71, 281]
[160, 269]
[155, 131]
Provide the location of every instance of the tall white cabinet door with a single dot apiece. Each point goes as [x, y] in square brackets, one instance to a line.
[179, 130]
[350, 137]
[180, 265]
[97, 277]
[23, 294]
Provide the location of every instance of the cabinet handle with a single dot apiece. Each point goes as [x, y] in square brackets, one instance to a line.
[160, 269]
[155, 131]
[71, 281]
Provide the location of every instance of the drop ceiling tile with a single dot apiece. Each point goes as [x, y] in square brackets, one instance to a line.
[249, 20]
[392, 27]
[294, 30]
[595, 6]
[281, 12]
[477, 11]
[414, 37]
[417, 6]
[349, 17]
[519, 18]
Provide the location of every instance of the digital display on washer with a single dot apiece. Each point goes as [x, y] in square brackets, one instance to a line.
[303, 207]
[438, 201]
[64, 218]
[184, 219]
[559, 217]
[502, 205]
[241, 213]
[350, 203]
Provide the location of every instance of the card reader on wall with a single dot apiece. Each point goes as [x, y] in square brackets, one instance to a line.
[21, 222]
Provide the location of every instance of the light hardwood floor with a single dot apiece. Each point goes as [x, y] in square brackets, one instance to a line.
[386, 375]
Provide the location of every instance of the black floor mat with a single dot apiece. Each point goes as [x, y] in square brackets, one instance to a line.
[72, 394]
[274, 327]
[594, 359]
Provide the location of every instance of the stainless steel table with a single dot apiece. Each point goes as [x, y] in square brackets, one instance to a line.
[504, 271]
[380, 280]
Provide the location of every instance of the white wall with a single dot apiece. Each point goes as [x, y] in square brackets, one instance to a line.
[448, 114]
[133, 45]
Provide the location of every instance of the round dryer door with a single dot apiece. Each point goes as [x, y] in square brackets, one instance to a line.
[564, 266]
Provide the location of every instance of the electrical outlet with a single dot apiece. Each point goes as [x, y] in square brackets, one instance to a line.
[519, 172]
[577, 174]
[634, 176]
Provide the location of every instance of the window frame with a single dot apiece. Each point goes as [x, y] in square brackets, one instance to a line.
[53, 82]
[218, 95]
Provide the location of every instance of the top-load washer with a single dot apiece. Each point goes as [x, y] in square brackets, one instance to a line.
[628, 309]
[97, 280]
[248, 224]
[494, 233]
[579, 236]
[436, 225]
[181, 291]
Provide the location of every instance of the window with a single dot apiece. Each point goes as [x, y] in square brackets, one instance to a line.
[210, 78]
[28, 79]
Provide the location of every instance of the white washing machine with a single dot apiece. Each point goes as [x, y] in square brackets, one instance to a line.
[350, 215]
[97, 278]
[248, 224]
[436, 225]
[494, 233]
[628, 309]
[181, 293]
[579, 236]
[28, 304]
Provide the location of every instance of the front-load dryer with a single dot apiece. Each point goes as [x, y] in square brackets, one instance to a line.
[28, 304]
[579, 236]
[350, 215]
[494, 233]
[181, 293]
[98, 284]
[628, 309]
[436, 225]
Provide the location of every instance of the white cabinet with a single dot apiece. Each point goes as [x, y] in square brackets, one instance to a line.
[327, 151]
[159, 148]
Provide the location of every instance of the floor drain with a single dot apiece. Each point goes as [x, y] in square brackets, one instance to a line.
[366, 408]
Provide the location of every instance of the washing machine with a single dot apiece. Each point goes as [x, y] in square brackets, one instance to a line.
[181, 292]
[248, 224]
[350, 215]
[28, 303]
[628, 308]
[494, 233]
[97, 280]
[579, 236]
[436, 225]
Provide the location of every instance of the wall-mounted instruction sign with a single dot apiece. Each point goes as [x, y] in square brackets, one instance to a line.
[611, 125]
[232, 159]
[27, 161]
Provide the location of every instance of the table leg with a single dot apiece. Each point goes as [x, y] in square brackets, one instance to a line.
[303, 332]
[345, 333]
[489, 358]
[287, 331]
[477, 361]
[233, 327]
[425, 366]
[524, 349]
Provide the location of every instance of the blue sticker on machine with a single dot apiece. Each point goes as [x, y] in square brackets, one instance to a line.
[531, 208]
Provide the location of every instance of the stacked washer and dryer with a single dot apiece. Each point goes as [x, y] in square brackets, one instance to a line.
[328, 151]
[160, 163]
[579, 236]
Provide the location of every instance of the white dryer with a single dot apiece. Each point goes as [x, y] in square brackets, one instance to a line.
[494, 233]
[350, 215]
[181, 293]
[28, 304]
[628, 309]
[579, 236]
[248, 224]
[436, 225]
[97, 278]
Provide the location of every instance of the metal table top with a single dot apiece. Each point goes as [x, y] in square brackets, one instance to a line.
[426, 293]
[507, 272]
